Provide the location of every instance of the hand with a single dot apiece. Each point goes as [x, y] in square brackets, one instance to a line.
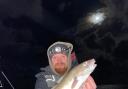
[89, 84]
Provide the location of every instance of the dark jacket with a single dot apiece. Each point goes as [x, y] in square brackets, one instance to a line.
[46, 79]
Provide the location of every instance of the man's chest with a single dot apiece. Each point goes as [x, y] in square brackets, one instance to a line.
[51, 79]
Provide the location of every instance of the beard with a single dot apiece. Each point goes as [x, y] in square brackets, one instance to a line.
[61, 68]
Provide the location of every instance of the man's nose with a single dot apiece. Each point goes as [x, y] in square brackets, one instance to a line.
[58, 59]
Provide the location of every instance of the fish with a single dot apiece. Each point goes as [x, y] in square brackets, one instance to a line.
[77, 75]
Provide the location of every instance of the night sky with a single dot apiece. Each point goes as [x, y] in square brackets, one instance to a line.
[29, 27]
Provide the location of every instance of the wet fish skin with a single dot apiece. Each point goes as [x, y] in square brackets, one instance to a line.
[81, 72]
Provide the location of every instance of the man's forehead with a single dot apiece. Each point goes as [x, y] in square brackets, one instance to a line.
[59, 54]
[59, 57]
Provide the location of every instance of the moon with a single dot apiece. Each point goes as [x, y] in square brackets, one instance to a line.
[96, 18]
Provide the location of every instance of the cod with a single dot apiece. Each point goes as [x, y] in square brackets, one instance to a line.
[76, 76]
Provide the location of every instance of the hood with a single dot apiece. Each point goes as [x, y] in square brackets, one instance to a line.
[59, 47]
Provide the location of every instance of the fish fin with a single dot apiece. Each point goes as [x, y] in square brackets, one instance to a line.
[74, 83]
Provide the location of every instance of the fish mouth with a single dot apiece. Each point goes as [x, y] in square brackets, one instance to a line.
[89, 65]
[90, 62]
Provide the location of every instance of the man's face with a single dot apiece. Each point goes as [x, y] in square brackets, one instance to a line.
[59, 62]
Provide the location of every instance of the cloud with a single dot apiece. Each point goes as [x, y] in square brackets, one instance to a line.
[6, 35]
[117, 9]
[16, 8]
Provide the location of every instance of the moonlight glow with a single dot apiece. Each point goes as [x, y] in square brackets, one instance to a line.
[96, 18]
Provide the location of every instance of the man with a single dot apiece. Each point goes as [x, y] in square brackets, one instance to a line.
[59, 57]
